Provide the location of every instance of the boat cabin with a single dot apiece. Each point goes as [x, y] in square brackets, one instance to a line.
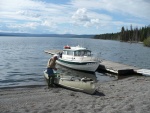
[75, 52]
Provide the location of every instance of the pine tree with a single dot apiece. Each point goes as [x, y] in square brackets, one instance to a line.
[122, 33]
[131, 33]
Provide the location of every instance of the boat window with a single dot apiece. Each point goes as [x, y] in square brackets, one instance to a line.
[65, 52]
[82, 53]
[88, 53]
[77, 53]
[69, 52]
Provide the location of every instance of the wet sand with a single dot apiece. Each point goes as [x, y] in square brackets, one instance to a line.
[129, 95]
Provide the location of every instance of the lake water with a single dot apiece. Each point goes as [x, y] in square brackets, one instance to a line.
[22, 59]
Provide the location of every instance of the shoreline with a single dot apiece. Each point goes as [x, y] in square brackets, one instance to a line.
[24, 86]
[128, 95]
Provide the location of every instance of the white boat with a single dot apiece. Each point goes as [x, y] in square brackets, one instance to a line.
[78, 58]
[85, 85]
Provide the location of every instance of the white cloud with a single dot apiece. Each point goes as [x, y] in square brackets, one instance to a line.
[19, 5]
[87, 18]
[31, 14]
[29, 9]
[101, 13]
[30, 25]
[80, 15]
[87, 14]
[28, 13]
[49, 24]
[138, 8]
[93, 22]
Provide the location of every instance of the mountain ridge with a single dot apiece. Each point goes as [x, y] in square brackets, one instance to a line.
[47, 35]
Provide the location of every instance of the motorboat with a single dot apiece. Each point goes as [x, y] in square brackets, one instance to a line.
[78, 58]
[85, 85]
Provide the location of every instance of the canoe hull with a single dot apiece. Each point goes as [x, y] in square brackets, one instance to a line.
[83, 85]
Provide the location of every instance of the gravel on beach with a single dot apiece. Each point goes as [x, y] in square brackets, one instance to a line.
[129, 95]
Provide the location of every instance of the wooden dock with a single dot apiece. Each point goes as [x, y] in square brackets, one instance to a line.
[117, 68]
[113, 67]
[145, 72]
[52, 52]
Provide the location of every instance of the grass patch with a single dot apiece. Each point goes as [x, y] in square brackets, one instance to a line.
[147, 42]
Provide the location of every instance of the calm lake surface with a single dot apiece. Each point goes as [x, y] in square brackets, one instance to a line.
[22, 59]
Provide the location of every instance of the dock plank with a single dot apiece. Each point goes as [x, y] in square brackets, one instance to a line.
[145, 72]
[52, 52]
[117, 68]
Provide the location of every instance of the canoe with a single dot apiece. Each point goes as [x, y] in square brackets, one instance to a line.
[85, 85]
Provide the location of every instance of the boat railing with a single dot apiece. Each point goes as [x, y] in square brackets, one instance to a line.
[96, 59]
[92, 58]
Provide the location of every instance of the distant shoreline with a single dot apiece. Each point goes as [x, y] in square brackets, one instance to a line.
[47, 35]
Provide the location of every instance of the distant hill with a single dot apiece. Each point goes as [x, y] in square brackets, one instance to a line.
[46, 35]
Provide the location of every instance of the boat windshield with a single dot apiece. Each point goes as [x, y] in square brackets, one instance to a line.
[82, 53]
[67, 52]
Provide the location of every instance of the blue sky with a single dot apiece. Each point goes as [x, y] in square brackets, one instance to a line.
[72, 16]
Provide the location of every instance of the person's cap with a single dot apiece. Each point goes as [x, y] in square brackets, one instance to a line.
[55, 56]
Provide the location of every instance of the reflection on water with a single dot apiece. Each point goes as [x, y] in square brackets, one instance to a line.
[102, 77]
[70, 72]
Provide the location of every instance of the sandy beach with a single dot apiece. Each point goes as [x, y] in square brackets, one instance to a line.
[129, 95]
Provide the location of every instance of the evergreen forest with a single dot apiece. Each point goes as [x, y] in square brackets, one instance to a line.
[128, 35]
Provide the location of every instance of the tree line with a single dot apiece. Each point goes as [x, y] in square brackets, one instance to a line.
[132, 34]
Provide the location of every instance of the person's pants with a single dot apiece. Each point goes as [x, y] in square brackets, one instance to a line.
[51, 80]
[51, 76]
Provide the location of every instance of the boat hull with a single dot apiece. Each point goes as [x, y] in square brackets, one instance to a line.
[83, 84]
[82, 66]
